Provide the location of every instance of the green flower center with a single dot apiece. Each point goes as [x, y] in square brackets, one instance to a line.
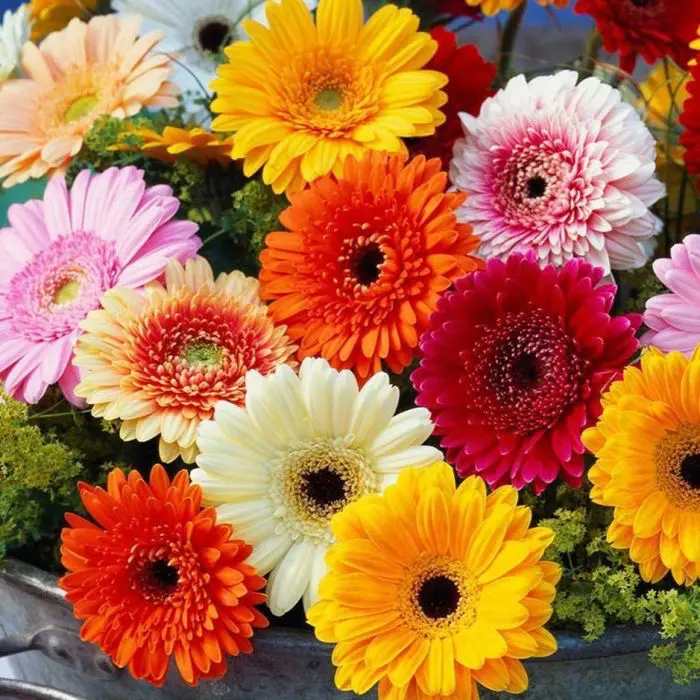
[329, 99]
[80, 108]
[67, 293]
[203, 353]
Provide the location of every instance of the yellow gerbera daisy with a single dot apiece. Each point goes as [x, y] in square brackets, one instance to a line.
[493, 7]
[648, 447]
[302, 97]
[51, 15]
[458, 598]
[196, 144]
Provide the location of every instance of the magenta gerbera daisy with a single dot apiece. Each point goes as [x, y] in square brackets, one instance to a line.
[59, 256]
[513, 366]
[560, 168]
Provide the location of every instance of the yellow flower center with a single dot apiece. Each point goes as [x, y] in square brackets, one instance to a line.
[315, 480]
[329, 99]
[80, 108]
[67, 292]
[438, 597]
[677, 459]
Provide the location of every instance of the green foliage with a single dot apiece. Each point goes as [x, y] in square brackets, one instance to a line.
[638, 286]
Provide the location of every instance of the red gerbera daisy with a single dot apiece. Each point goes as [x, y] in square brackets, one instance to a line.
[159, 578]
[513, 366]
[651, 29]
[457, 8]
[470, 80]
[690, 116]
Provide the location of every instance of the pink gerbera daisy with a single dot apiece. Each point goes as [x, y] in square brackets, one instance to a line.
[674, 319]
[513, 367]
[59, 256]
[561, 168]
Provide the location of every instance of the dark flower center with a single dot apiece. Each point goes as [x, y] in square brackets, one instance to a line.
[324, 487]
[213, 36]
[164, 575]
[366, 262]
[438, 597]
[642, 3]
[536, 187]
[690, 471]
[526, 370]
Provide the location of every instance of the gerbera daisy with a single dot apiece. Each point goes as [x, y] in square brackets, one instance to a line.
[75, 76]
[14, 32]
[301, 101]
[301, 450]
[673, 319]
[157, 577]
[652, 29]
[470, 78]
[196, 33]
[513, 366]
[457, 8]
[182, 347]
[433, 590]
[365, 260]
[690, 116]
[59, 256]
[52, 15]
[540, 178]
[647, 444]
[195, 143]
[493, 7]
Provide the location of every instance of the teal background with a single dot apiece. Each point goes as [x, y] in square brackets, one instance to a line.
[34, 189]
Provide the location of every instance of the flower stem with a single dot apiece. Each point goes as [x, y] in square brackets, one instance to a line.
[591, 51]
[510, 34]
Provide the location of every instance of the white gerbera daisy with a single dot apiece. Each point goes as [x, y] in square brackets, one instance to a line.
[14, 34]
[196, 31]
[561, 167]
[302, 449]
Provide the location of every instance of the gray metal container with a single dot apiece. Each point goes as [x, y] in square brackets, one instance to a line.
[40, 643]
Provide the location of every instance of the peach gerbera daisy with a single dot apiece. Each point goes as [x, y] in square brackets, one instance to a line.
[365, 260]
[160, 361]
[196, 144]
[301, 97]
[76, 75]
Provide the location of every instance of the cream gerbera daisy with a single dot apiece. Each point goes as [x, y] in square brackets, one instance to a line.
[14, 32]
[303, 96]
[302, 449]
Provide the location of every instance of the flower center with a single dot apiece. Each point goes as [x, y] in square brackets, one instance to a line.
[203, 354]
[677, 459]
[526, 370]
[315, 480]
[67, 293]
[164, 575]
[438, 597]
[366, 263]
[213, 34]
[329, 99]
[536, 187]
[80, 108]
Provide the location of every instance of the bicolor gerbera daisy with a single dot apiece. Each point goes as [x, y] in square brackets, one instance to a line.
[59, 256]
[14, 32]
[301, 450]
[365, 259]
[196, 33]
[75, 76]
[194, 143]
[650, 29]
[49, 16]
[647, 445]
[182, 346]
[302, 101]
[433, 590]
[673, 319]
[540, 177]
[513, 366]
[158, 578]
[470, 77]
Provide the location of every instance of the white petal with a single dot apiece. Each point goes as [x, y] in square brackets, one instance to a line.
[407, 429]
[318, 571]
[265, 555]
[417, 457]
[290, 578]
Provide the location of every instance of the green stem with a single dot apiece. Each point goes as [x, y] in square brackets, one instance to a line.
[591, 51]
[681, 204]
[510, 34]
[58, 415]
[214, 236]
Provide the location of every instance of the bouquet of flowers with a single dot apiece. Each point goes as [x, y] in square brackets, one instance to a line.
[346, 278]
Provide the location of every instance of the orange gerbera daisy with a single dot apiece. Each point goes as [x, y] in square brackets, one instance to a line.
[158, 577]
[367, 256]
[181, 349]
[75, 76]
[196, 144]
[51, 15]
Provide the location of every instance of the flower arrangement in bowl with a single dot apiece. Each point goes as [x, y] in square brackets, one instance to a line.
[326, 321]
